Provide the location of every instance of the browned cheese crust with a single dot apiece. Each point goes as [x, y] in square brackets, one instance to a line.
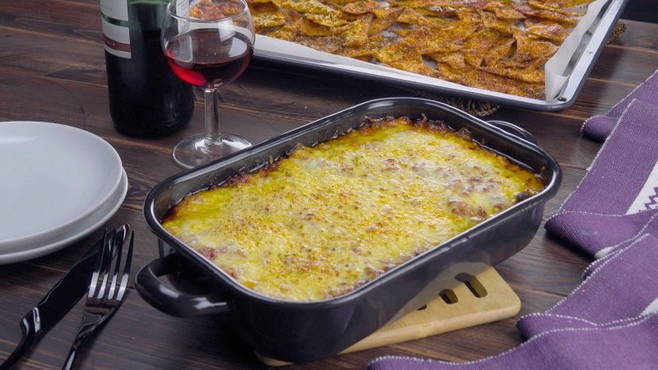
[328, 219]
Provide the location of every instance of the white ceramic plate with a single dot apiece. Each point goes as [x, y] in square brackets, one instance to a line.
[52, 178]
[82, 229]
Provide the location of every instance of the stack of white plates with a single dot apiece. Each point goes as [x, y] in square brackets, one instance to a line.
[58, 184]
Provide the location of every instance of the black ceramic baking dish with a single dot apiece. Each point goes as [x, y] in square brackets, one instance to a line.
[302, 331]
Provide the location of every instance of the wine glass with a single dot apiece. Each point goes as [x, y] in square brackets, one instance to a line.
[208, 43]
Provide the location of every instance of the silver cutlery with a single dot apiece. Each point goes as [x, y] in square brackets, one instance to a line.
[106, 289]
[56, 303]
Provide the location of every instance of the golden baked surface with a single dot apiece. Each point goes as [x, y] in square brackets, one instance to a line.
[327, 219]
[498, 45]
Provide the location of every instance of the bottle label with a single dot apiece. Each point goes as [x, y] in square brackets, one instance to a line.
[116, 34]
[117, 9]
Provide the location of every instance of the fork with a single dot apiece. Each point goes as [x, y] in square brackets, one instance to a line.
[106, 290]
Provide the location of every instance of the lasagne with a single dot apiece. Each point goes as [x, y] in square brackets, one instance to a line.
[326, 219]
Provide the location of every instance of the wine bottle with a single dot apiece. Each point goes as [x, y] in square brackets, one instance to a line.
[146, 98]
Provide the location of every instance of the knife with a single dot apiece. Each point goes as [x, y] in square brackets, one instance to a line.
[57, 302]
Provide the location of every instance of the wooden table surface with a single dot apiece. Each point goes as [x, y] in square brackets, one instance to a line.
[52, 69]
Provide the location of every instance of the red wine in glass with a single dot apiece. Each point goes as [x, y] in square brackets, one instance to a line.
[205, 57]
[208, 43]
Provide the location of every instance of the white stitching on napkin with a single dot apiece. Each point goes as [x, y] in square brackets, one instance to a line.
[615, 322]
[598, 270]
[651, 308]
[604, 252]
[559, 316]
[647, 198]
[582, 127]
[600, 258]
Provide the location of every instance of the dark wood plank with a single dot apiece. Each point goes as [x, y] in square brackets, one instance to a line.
[85, 104]
[625, 64]
[60, 19]
[637, 35]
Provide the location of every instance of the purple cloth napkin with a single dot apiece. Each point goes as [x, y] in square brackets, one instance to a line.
[619, 195]
[599, 127]
[609, 322]
[651, 228]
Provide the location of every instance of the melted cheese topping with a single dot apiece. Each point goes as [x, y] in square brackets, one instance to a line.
[330, 218]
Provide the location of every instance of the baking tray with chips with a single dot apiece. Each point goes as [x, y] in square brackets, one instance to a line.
[566, 82]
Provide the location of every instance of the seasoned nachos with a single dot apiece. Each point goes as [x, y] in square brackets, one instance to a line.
[499, 45]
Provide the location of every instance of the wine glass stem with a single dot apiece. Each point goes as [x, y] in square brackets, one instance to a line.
[211, 100]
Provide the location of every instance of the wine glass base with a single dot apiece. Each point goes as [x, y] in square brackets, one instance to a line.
[197, 150]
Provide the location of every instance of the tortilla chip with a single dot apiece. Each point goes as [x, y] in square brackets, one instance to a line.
[503, 26]
[307, 6]
[410, 3]
[529, 52]
[476, 78]
[553, 7]
[447, 12]
[267, 16]
[420, 17]
[267, 7]
[412, 16]
[480, 43]
[360, 7]
[329, 20]
[338, 3]
[283, 33]
[429, 40]
[503, 11]
[367, 50]
[547, 30]
[418, 4]
[384, 18]
[415, 64]
[357, 33]
[500, 51]
[329, 44]
[402, 56]
[530, 74]
[310, 28]
[268, 21]
[393, 52]
[468, 15]
[547, 14]
[454, 60]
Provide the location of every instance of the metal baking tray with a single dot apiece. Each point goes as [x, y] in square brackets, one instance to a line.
[267, 48]
[303, 331]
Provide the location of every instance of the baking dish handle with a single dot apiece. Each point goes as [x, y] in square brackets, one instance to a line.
[171, 301]
[515, 130]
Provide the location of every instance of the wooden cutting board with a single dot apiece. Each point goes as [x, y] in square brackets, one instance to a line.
[476, 300]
